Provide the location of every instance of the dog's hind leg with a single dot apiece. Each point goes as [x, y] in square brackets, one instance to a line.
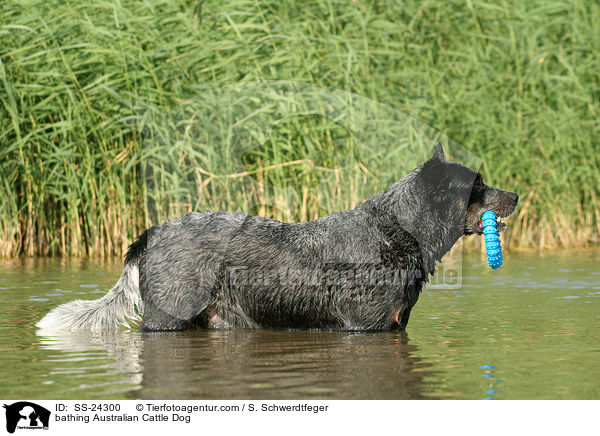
[173, 301]
[172, 306]
[155, 319]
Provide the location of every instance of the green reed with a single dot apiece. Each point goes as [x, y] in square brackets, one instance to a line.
[85, 166]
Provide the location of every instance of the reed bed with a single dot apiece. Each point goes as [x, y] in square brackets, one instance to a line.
[103, 132]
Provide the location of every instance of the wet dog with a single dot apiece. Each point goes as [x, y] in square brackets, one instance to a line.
[362, 269]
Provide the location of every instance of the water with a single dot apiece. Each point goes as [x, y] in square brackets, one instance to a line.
[528, 331]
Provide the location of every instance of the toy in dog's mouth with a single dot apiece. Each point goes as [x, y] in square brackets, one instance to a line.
[474, 223]
[500, 225]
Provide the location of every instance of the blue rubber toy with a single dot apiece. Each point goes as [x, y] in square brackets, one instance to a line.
[493, 249]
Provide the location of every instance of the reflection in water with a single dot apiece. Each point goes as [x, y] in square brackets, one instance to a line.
[86, 355]
[492, 385]
[281, 364]
[535, 319]
[242, 364]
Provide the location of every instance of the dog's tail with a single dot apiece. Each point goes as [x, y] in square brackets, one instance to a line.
[120, 306]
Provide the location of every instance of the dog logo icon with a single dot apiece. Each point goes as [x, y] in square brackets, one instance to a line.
[26, 415]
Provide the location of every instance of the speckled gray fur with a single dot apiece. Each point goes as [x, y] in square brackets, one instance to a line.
[362, 269]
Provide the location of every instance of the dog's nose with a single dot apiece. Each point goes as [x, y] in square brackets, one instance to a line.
[514, 196]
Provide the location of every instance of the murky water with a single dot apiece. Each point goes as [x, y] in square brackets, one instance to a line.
[528, 331]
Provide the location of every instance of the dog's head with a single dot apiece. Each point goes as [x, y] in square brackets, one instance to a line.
[484, 197]
[460, 196]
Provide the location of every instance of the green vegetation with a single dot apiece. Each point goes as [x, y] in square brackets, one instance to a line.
[81, 84]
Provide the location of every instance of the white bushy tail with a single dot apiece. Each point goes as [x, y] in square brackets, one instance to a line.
[121, 305]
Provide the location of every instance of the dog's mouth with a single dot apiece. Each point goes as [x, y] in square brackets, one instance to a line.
[500, 225]
[502, 203]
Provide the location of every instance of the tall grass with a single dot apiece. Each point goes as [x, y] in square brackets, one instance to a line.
[515, 82]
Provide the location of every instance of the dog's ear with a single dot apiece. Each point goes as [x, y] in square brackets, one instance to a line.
[438, 153]
[433, 174]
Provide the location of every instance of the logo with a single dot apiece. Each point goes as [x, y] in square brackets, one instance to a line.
[26, 415]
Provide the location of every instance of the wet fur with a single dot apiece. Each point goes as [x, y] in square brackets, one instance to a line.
[361, 269]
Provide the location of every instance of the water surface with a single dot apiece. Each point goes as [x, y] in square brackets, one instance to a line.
[530, 330]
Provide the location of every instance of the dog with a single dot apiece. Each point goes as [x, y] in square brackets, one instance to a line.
[361, 269]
